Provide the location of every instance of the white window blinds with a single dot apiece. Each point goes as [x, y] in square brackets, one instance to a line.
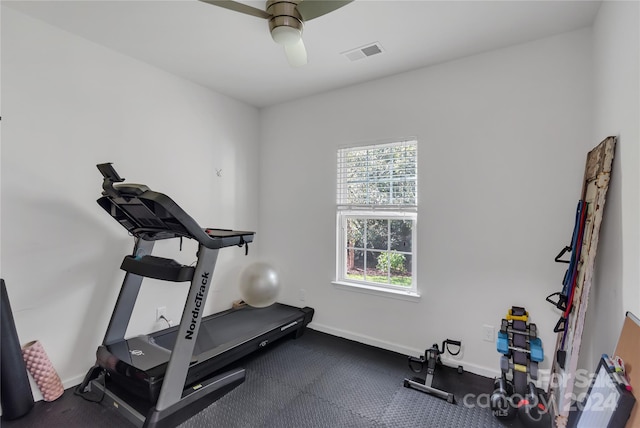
[381, 175]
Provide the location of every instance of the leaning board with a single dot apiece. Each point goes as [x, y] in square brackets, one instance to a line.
[596, 182]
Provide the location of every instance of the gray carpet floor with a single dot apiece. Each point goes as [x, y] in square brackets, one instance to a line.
[317, 380]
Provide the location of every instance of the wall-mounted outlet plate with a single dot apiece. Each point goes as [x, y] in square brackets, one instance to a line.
[488, 333]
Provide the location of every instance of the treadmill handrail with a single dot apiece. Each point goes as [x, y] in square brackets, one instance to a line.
[193, 228]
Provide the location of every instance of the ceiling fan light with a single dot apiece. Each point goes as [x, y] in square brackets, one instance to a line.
[285, 35]
[296, 54]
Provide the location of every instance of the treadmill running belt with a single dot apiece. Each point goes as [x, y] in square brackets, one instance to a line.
[226, 330]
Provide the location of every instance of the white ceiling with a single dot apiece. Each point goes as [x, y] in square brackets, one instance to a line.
[233, 53]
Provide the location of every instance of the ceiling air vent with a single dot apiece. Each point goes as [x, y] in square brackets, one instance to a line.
[364, 51]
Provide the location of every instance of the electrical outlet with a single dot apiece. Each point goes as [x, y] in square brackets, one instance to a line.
[161, 311]
[489, 333]
[302, 294]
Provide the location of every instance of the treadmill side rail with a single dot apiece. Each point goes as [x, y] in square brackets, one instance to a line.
[223, 338]
[194, 400]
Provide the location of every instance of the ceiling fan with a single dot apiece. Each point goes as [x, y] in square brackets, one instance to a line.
[286, 20]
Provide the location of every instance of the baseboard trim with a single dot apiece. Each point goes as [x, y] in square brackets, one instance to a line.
[73, 381]
[401, 349]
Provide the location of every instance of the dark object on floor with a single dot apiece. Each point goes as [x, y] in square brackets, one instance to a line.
[17, 397]
[432, 358]
[501, 404]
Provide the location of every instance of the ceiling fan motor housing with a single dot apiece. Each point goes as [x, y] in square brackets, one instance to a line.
[285, 23]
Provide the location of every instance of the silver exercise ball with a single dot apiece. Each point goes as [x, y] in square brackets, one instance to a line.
[259, 285]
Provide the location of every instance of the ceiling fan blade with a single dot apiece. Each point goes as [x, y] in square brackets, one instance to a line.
[310, 9]
[239, 7]
[296, 54]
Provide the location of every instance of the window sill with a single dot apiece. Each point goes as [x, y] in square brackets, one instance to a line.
[376, 291]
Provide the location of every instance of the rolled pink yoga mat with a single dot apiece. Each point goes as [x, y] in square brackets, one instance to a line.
[40, 367]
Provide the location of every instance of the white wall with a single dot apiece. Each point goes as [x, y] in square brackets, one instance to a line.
[502, 135]
[616, 288]
[67, 105]
[502, 142]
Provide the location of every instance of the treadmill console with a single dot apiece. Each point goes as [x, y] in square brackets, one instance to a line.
[153, 216]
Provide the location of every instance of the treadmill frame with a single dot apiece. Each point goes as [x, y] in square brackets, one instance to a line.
[151, 216]
[175, 404]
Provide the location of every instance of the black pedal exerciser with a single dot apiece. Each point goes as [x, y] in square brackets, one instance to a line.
[432, 359]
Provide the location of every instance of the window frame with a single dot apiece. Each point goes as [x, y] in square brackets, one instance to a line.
[341, 260]
[346, 211]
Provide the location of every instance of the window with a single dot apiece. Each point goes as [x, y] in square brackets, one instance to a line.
[376, 216]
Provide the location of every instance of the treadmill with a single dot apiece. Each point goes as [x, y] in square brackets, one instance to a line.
[163, 378]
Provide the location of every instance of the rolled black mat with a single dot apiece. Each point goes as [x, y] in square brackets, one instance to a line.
[16, 396]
